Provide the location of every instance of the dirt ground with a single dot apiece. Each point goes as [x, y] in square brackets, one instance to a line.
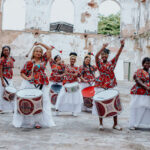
[75, 133]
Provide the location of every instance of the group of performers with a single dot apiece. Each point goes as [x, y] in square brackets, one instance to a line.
[73, 80]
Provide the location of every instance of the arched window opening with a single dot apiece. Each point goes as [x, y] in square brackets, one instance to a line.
[109, 18]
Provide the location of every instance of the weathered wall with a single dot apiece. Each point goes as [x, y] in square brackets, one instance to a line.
[135, 26]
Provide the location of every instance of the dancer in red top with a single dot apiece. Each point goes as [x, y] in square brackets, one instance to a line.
[106, 79]
[140, 97]
[70, 97]
[87, 72]
[58, 69]
[6, 75]
[87, 76]
[34, 76]
[56, 77]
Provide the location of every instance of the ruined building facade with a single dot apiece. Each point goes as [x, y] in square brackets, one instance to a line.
[135, 28]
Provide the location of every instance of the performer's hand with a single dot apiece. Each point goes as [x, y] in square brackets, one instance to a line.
[122, 42]
[105, 45]
[148, 88]
[3, 84]
[29, 78]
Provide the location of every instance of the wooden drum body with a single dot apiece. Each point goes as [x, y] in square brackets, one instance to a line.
[88, 94]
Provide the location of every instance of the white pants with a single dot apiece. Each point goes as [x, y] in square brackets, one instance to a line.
[139, 111]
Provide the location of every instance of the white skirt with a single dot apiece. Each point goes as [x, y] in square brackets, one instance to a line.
[139, 111]
[43, 119]
[69, 102]
[6, 106]
[97, 90]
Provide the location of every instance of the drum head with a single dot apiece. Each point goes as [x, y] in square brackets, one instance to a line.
[56, 88]
[105, 95]
[11, 89]
[88, 92]
[29, 93]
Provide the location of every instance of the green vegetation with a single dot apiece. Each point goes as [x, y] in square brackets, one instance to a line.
[109, 25]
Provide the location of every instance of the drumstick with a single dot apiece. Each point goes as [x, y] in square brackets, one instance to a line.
[60, 51]
[30, 51]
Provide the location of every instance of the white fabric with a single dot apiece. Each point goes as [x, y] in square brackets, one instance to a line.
[139, 111]
[6, 106]
[97, 90]
[43, 119]
[69, 102]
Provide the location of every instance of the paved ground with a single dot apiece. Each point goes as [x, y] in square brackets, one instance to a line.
[75, 133]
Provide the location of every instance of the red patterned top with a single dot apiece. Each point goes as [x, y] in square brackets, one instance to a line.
[57, 70]
[39, 75]
[69, 78]
[7, 66]
[145, 77]
[88, 73]
[107, 77]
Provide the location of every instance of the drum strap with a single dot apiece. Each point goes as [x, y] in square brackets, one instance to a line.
[6, 80]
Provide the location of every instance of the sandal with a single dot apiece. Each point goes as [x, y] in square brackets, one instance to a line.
[38, 127]
[117, 127]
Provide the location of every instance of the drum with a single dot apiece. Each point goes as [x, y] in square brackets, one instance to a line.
[9, 93]
[29, 101]
[71, 87]
[88, 94]
[108, 103]
[55, 89]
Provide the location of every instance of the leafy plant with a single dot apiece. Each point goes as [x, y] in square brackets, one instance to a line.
[109, 25]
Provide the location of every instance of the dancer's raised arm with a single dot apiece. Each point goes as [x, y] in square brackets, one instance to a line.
[100, 51]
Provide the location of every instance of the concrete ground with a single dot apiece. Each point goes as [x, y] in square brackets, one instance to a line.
[75, 133]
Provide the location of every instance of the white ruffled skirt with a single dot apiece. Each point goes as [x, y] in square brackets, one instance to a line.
[69, 102]
[6, 106]
[44, 119]
[139, 111]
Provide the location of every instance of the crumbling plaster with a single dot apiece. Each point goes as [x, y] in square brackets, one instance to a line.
[135, 27]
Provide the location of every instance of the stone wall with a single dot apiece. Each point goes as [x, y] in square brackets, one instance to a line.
[135, 28]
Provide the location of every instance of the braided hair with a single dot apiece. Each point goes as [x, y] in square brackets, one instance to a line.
[84, 65]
